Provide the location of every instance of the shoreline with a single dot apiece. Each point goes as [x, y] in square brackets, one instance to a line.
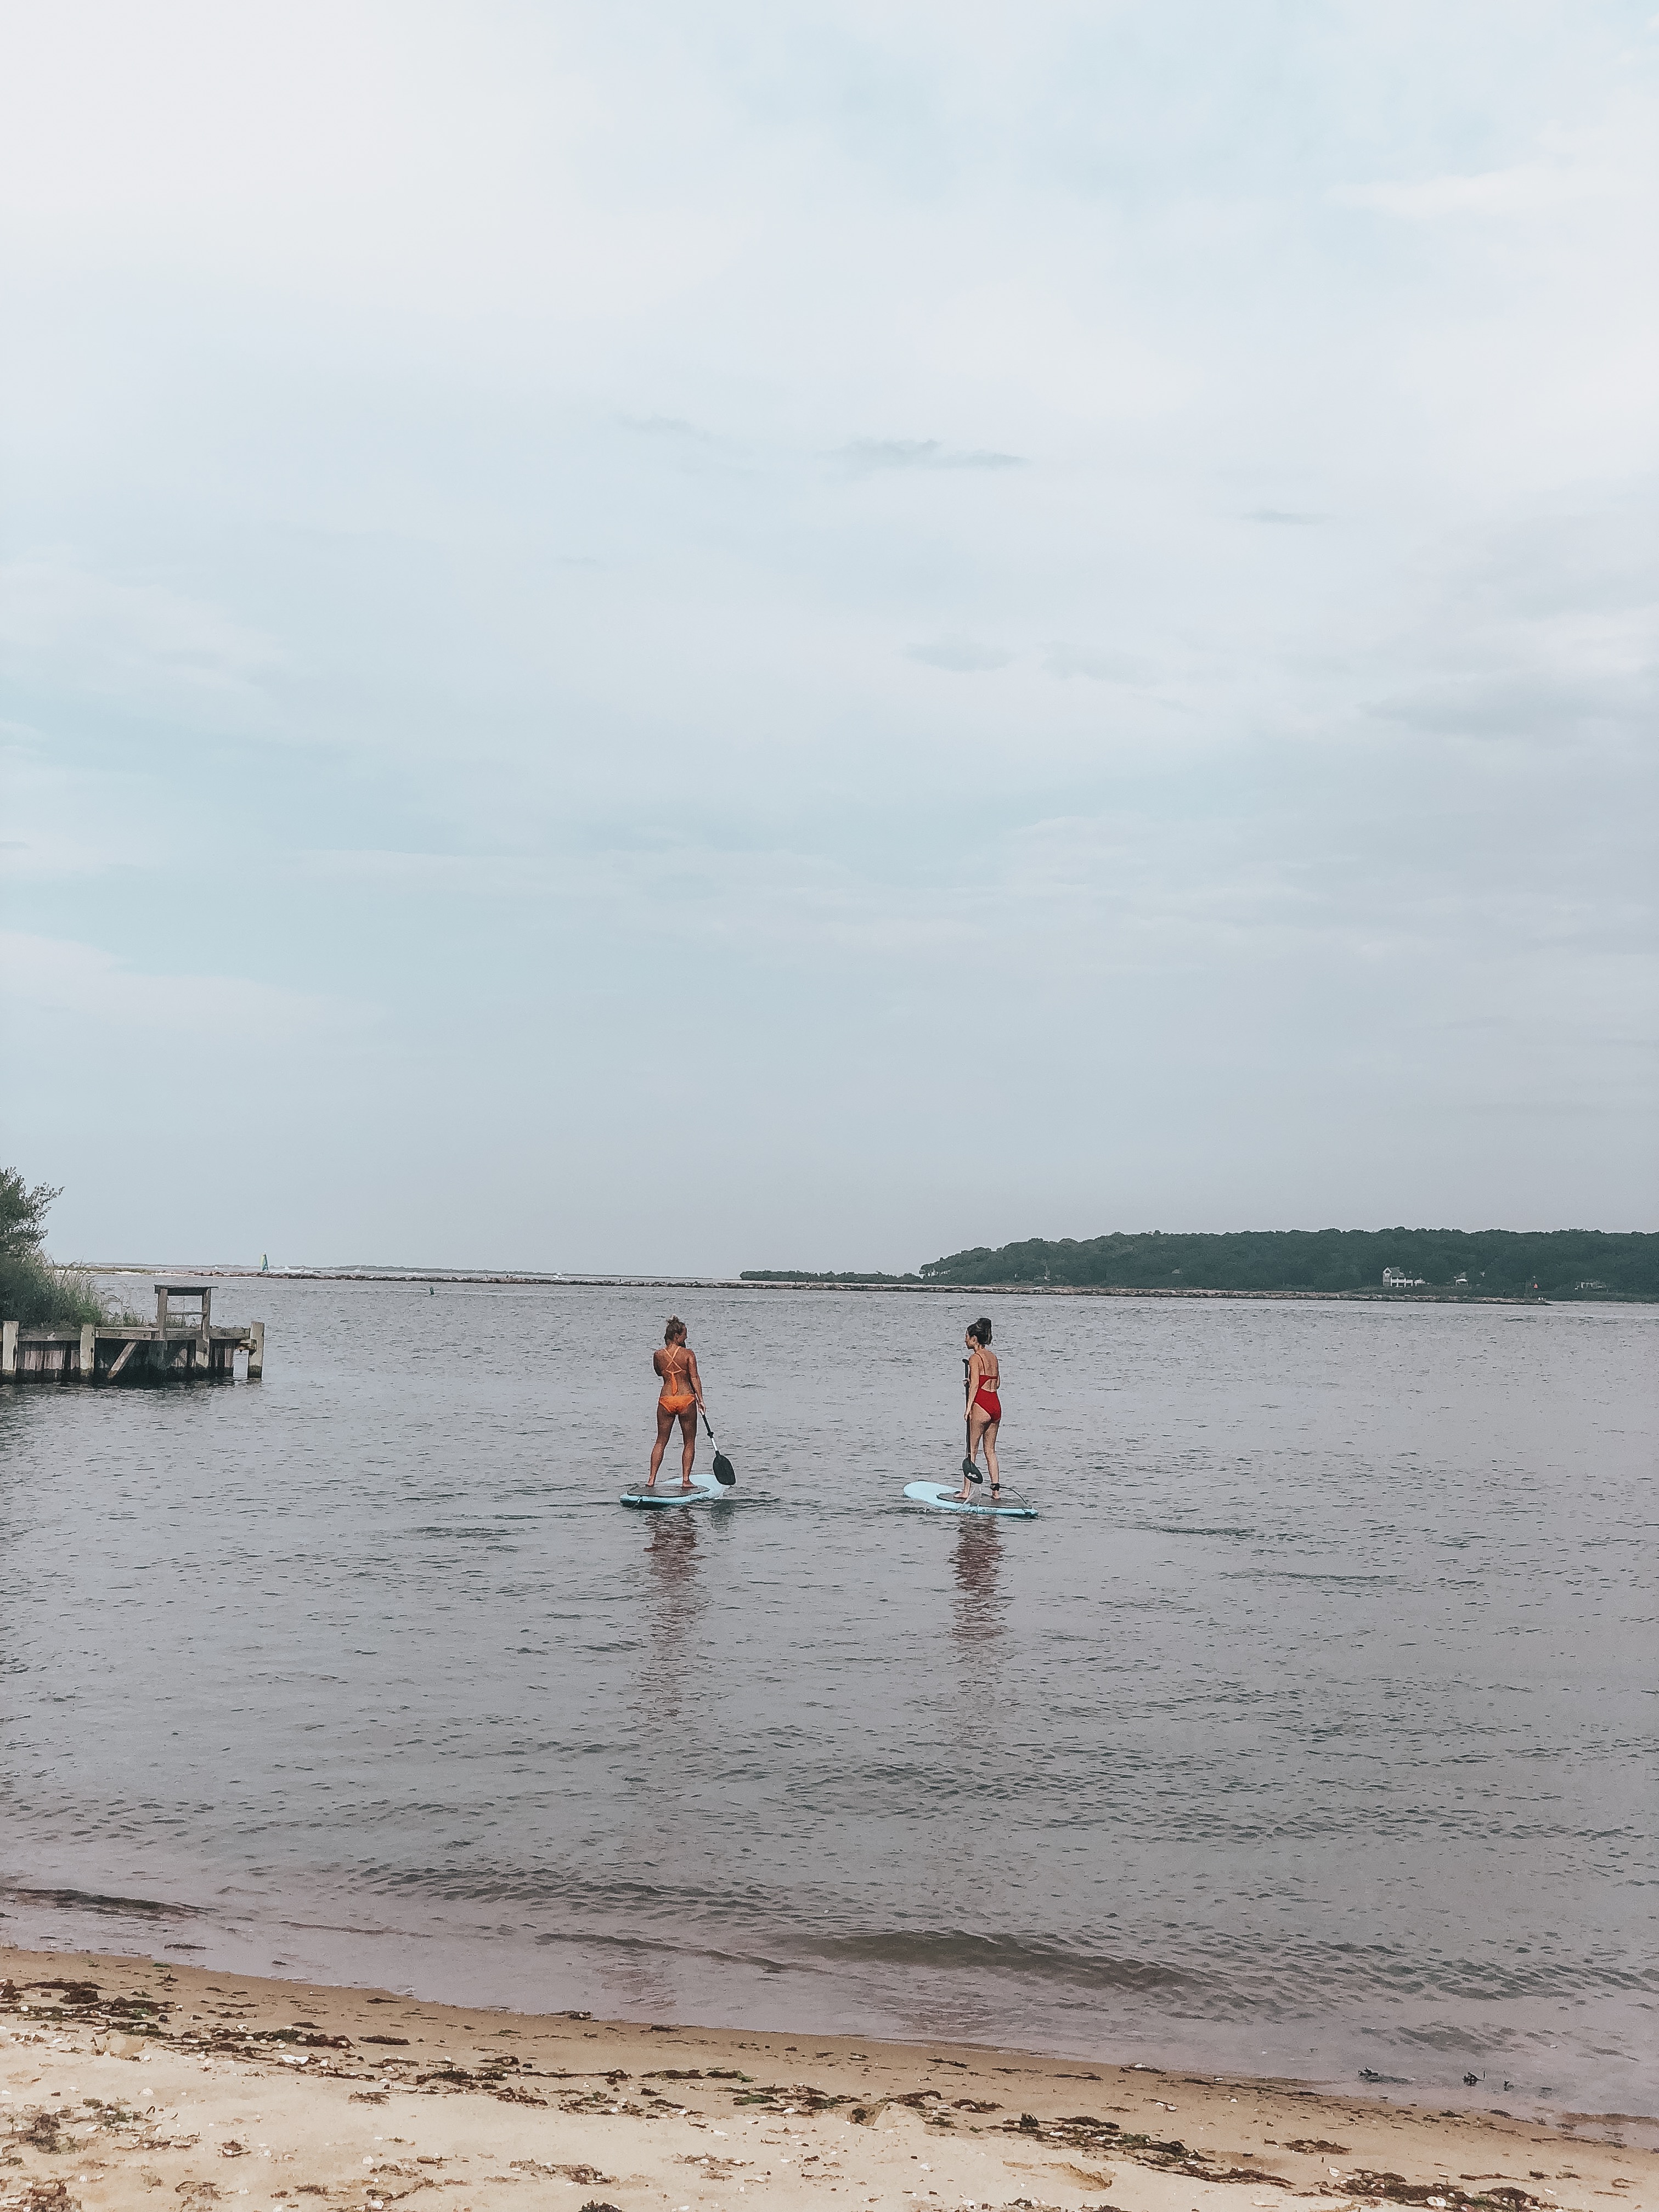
[526, 1279]
[280, 2091]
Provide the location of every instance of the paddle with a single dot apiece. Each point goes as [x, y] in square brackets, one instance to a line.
[724, 1470]
[969, 1472]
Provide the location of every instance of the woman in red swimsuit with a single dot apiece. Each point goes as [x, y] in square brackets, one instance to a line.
[679, 1400]
[984, 1406]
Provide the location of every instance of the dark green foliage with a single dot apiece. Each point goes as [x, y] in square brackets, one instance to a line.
[33, 1291]
[1556, 1263]
[23, 1212]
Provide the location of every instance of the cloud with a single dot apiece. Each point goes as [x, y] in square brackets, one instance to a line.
[865, 455]
[670, 426]
[336, 340]
[1066, 661]
[1529, 188]
[1537, 705]
[58, 976]
[1545, 635]
[68, 627]
[963, 656]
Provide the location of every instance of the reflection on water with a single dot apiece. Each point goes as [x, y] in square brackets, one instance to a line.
[660, 1702]
[980, 1605]
[674, 1598]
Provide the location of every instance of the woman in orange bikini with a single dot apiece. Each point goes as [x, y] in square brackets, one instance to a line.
[680, 1400]
[984, 1409]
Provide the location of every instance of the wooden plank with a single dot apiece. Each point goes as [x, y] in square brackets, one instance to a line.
[62, 1353]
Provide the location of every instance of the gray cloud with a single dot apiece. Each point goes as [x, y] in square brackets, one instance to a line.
[963, 656]
[866, 454]
[1535, 706]
[1068, 660]
[673, 426]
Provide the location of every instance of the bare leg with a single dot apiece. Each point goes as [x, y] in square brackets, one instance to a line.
[991, 1428]
[965, 1494]
[688, 1431]
[975, 1431]
[664, 1423]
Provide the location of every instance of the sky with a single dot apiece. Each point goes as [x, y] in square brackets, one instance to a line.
[782, 635]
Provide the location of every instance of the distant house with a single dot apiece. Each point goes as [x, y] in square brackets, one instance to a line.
[1461, 1278]
[1589, 1286]
[1396, 1279]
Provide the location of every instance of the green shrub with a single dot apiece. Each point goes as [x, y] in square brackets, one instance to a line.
[31, 1291]
[41, 1295]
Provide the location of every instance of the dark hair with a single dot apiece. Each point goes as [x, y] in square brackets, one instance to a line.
[981, 1330]
[675, 1328]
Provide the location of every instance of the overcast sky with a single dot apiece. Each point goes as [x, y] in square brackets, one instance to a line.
[781, 634]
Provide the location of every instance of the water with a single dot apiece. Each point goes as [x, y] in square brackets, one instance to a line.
[1310, 1729]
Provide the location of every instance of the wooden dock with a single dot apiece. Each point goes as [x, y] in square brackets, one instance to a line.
[174, 1348]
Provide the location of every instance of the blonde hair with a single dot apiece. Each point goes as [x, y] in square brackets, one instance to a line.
[675, 1331]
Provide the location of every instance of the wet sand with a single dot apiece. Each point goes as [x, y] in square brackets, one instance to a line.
[126, 2082]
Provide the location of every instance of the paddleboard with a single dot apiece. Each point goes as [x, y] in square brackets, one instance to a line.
[668, 1492]
[939, 1493]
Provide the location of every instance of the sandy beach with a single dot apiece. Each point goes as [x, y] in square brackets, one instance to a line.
[127, 2081]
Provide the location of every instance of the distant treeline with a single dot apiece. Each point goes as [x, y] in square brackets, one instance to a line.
[806, 1275]
[1557, 1263]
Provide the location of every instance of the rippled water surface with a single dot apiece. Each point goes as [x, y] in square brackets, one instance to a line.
[1310, 1728]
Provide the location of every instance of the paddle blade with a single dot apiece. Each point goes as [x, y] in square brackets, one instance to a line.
[724, 1470]
[970, 1472]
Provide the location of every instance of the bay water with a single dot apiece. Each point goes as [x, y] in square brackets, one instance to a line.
[1310, 1731]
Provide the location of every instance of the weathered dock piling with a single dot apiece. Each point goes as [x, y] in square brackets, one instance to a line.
[176, 1348]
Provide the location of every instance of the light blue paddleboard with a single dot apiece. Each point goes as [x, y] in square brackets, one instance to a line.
[939, 1493]
[668, 1492]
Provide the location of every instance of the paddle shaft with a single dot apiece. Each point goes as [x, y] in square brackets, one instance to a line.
[969, 1472]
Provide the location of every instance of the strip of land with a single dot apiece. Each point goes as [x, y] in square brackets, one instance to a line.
[1592, 1265]
[127, 2081]
[773, 1281]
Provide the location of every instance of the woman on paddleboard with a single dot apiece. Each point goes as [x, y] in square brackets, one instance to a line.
[679, 1400]
[984, 1410]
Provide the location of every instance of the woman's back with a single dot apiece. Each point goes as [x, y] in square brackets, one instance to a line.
[673, 1363]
